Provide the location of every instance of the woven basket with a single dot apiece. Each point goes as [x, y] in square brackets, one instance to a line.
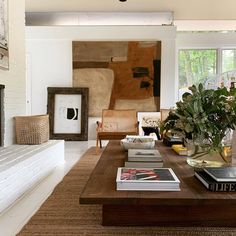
[32, 129]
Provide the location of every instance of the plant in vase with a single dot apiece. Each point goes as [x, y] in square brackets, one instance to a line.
[205, 117]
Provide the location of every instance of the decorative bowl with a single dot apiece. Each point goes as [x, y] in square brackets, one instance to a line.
[138, 142]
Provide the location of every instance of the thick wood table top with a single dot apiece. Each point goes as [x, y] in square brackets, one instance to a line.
[101, 186]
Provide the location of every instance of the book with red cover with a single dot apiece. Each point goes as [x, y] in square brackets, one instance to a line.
[150, 179]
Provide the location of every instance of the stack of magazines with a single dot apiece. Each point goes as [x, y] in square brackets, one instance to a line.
[218, 179]
[147, 179]
[144, 158]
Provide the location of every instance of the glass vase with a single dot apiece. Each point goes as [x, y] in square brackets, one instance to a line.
[200, 157]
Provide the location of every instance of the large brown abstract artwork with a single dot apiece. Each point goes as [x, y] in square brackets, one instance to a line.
[119, 75]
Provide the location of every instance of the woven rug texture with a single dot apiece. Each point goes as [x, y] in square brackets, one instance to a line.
[62, 215]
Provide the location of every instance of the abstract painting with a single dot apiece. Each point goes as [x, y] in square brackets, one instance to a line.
[120, 74]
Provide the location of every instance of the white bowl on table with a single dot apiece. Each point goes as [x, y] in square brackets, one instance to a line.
[138, 142]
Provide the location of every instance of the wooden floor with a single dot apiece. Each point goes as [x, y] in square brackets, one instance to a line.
[193, 205]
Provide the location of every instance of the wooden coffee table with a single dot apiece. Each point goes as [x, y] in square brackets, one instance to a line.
[194, 205]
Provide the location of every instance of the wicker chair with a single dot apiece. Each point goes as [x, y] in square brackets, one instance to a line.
[116, 124]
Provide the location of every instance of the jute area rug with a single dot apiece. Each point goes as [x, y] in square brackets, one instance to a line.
[62, 214]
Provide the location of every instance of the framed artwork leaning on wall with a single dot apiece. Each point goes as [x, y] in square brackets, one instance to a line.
[149, 122]
[68, 113]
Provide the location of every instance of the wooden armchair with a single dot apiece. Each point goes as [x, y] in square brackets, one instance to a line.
[165, 113]
[116, 124]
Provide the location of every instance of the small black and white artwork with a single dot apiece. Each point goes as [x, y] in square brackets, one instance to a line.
[149, 122]
[4, 53]
[72, 113]
[67, 114]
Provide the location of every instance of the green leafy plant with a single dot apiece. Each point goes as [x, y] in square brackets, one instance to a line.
[204, 115]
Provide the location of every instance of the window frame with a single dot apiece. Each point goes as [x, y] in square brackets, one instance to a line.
[221, 51]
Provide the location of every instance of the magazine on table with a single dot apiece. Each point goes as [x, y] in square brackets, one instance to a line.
[150, 179]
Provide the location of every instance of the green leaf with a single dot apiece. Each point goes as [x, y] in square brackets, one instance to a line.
[200, 87]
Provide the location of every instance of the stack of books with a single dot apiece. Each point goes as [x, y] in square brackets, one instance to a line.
[222, 179]
[147, 179]
[144, 158]
[169, 140]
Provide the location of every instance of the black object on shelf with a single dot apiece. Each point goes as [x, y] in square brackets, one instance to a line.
[170, 141]
[148, 130]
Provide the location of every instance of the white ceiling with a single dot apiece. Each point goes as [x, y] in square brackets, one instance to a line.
[183, 9]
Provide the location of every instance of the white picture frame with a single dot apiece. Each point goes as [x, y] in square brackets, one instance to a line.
[151, 117]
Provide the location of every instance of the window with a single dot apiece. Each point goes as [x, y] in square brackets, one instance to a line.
[195, 66]
[204, 66]
[228, 60]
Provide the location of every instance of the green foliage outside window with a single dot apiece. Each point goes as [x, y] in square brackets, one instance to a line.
[196, 65]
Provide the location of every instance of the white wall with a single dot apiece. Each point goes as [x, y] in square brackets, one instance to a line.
[50, 50]
[50, 66]
[14, 79]
[206, 40]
